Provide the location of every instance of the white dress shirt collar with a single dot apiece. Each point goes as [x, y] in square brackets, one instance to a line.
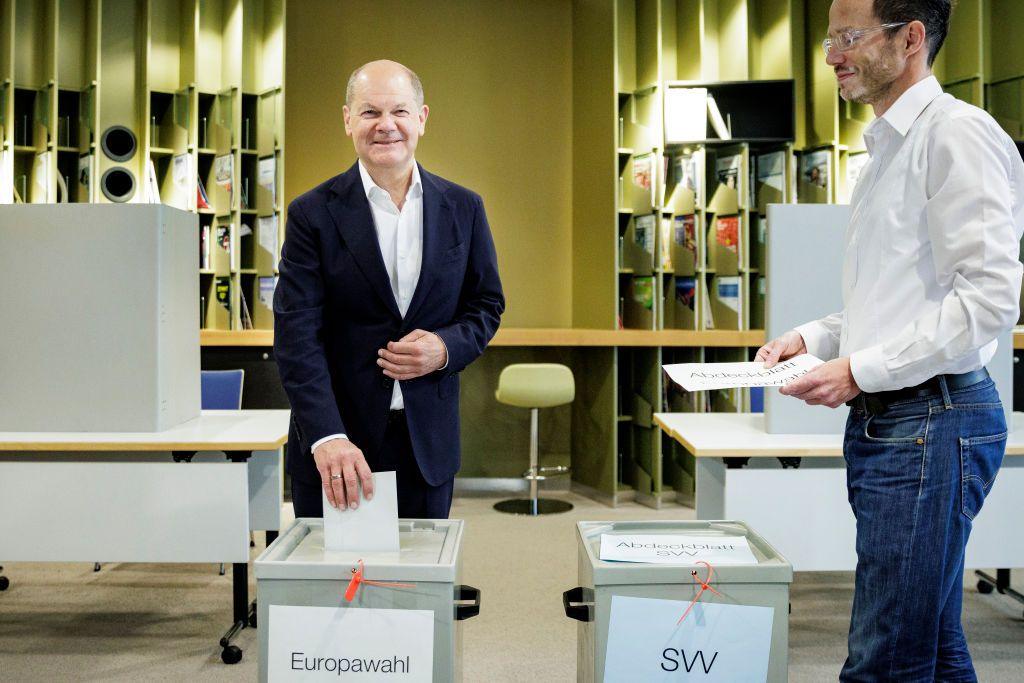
[373, 190]
[904, 111]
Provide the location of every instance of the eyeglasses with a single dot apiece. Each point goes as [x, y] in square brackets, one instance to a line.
[845, 40]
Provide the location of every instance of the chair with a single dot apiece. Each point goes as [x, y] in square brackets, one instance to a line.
[535, 386]
[222, 390]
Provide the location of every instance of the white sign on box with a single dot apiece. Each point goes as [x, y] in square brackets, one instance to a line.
[676, 549]
[715, 643]
[706, 376]
[350, 644]
[372, 527]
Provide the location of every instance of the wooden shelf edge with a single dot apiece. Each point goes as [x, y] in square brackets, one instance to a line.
[563, 336]
[236, 337]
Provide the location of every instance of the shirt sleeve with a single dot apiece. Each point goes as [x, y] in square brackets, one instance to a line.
[974, 229]
[331, 437]
[821, 337]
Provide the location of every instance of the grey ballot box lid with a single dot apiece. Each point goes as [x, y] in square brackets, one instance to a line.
[429, 552]
[771, 567]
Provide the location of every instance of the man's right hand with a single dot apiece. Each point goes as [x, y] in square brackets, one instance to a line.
[342, 469]
[781, 348]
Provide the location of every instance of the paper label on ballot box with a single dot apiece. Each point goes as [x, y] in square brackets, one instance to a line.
[350, 644]
[714, 643]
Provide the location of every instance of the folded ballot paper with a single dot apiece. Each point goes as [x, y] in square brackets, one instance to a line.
[706, 376]
[372, 527]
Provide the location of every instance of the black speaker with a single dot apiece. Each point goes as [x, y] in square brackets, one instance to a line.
[118, 184]
[118, 143]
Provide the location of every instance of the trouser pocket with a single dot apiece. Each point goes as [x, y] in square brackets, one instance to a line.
[980, 458]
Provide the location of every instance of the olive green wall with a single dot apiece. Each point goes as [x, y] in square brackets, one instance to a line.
[498, 79]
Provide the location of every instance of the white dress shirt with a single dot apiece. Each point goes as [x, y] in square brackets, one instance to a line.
[931, 274]
[400, 236]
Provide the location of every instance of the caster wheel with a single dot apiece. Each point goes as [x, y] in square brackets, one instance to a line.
[232, 654]
[252, 620]
[5, 583]
[984, 587]
[790, 608]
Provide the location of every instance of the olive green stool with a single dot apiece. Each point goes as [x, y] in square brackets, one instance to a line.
[536, 386]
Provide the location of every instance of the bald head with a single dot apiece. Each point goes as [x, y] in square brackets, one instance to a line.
[384, 71]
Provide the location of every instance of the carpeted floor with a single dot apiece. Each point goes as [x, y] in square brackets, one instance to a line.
[134, 622]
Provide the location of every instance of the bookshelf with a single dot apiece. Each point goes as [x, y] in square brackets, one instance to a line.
[140, 101]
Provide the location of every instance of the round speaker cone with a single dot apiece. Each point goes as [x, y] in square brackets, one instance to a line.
[118, 184]
[118, 143]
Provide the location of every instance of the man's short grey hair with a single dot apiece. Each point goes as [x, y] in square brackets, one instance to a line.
[417, 86]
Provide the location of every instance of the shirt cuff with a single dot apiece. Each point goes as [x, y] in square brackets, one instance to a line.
[447, 358]
[817, 340]
[324, 440]
[868, 369]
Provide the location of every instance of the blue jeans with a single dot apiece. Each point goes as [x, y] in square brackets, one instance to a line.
[917, 475]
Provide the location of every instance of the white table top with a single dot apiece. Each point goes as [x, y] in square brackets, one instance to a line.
[220, 430]
[718, 435]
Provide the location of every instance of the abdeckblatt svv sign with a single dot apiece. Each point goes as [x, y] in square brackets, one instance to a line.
[716, 643]
[350, 644]
[707, 376]
[676, 549]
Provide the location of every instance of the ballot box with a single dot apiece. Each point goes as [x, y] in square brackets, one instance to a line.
[100, 318]
[655, 621]
[387, 614]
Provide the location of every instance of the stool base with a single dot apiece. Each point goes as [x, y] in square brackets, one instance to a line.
[525, 506]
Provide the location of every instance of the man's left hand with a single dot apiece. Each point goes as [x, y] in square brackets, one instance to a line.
[414, 355]
[831, 384]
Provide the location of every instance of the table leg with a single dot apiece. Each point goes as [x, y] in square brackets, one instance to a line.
[709, 483]
[242, 613]
[1001, 583]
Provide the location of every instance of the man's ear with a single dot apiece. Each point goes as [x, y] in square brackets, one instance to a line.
[345, 113]
[916, 38]
[424, 112]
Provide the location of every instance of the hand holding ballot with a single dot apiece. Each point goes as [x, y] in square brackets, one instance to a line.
[342, 468]
[830, 384]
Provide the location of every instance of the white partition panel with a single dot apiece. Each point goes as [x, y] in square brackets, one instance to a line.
[67, 511]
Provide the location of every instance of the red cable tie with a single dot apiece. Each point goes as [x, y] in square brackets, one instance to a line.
[704, 585]
[357, 580]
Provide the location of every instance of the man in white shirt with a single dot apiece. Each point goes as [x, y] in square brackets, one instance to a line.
[930, 279]
[388, 288]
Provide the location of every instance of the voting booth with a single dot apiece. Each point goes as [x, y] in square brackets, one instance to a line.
[103, 306]
[337, 613]
[652, 620]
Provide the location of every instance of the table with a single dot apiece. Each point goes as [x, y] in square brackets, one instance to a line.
[791, 488]
[147, 497]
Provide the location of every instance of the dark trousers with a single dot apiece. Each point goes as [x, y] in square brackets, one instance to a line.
[917, 475]
[416, 498]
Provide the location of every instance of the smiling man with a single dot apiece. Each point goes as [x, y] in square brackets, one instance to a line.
[388, 289]
[930, 280]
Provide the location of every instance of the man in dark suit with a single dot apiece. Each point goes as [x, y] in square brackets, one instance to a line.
[388, 288]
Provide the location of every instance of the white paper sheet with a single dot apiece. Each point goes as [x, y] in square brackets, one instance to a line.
[339, 643]
[266, 233]
[676, 549]
[266, 176]
[716, 642]
[705, 376]
[372, 527]
[182, 170]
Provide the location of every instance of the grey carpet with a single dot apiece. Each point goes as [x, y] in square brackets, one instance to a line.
[133, 622]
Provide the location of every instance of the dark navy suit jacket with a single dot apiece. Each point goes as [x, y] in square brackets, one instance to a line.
[334, 308]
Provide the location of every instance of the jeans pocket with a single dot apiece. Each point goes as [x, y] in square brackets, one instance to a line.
[896, 428]
[980, 458]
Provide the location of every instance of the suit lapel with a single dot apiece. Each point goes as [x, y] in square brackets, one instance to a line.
[350, 210]
[437, 219]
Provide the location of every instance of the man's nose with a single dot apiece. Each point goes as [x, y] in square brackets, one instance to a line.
[385, 123]
[834, 57]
